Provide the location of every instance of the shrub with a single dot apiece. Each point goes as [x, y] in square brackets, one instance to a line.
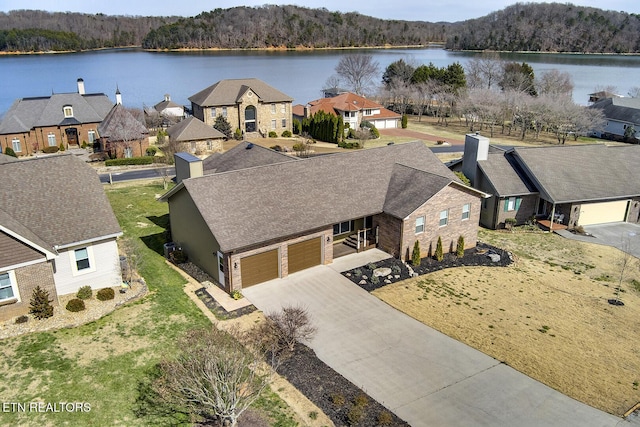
[415, 254]
[84, 144]
[439, 252]
[41, 307]
[236, 295]
[337, 399]
[313, 415]
[357, 272]
[509, 223]
[151, 151]
[460, 247]
[375, 280]
[404, 121]
[355, 415]
[237, 134]
[61, 146]
[105, 294]
[385, 418]
[361, 400]
[375, 132]
[395, 269]
[463, 178]
[273, 134]
[580, 229]
[75, 305]
[276, 148]
[84, 292]
[297, 126]
[178, 256]
[348, 145]
[22, 319]
[286, 134]
[50, 150]
[9, 152]
[290, 326]
[146, 160]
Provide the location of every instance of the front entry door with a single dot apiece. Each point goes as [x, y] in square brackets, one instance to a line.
[72, 136]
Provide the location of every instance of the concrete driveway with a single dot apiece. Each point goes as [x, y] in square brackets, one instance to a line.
[621, 235]
[425, 377]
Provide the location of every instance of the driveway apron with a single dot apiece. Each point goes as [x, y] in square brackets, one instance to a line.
[425, 377]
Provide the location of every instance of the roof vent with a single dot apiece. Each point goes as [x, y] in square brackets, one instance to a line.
[249, 146]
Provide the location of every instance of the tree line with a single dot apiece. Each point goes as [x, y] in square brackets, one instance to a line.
[537, 27]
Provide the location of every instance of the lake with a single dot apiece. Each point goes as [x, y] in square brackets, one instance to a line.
[144, 77]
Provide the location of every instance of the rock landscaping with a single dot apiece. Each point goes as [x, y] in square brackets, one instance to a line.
[343, 402]
[376, 275]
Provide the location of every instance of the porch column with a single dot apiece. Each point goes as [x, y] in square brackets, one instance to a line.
[553, 217]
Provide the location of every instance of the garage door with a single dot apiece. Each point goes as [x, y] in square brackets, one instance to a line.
[600, 213]
[259, 268]
[304, 254]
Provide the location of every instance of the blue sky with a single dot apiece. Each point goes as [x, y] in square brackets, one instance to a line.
[414, 10]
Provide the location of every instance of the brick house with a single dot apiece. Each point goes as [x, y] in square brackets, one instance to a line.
[574, 184]
[57, 230]
[247, 225]
[31, 124]
[193, 136]
[250, 105]
[123, 133]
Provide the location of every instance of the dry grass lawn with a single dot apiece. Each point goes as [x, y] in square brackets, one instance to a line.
[546, 315]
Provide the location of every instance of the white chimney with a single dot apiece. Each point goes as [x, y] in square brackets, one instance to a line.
[476, 148]
[118, 96]
[167, 97]
[81, 86]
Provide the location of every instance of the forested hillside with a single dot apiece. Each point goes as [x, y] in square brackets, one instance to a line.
[549, 27]
[36, 30]
[542, 27]
[291, 27]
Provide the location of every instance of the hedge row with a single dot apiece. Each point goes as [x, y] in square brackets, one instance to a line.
[146, 160]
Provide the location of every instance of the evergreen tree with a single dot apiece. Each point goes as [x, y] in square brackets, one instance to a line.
[41, 307]
[9, 152]
[223, 125]
[415, 255]
[460, 247]
[404, 121]
[439, 252]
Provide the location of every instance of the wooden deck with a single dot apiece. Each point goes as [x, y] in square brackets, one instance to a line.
[545, 224]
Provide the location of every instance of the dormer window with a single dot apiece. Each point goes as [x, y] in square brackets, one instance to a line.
[68, 111]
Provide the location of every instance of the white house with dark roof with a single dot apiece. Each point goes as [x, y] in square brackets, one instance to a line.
[574, 184]
[168, 108]
[31, 124]
[54, 233]
[248, 225]
[622, 115]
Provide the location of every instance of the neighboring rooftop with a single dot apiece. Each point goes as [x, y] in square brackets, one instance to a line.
[505, 175]
[193, 129]
[243, 156]
[350, 102]
[621, 109]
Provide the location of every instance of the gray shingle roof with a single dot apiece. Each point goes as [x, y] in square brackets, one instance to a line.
[618, 108]
[121, 125]
[193, 129]
[229, 92]
[27, 113]
[6, 159]
[243, 157]
[54, 200]
[582, 172]
[250, 206]
[504, 175]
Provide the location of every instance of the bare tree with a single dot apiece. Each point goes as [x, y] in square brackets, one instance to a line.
[291, 325]
[626, 262]
[357, 70]
[213, 376]
[554, 82]
[634, 92]
[121, 129]
[484, 72]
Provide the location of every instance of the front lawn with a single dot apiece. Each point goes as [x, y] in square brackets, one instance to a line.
[104, 362]
[547, 315]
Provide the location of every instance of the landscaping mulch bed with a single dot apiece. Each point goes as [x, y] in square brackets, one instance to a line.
[219, 311]
[343, 402]
[478, 256]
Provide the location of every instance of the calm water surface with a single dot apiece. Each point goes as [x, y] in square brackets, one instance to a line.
[144, 77]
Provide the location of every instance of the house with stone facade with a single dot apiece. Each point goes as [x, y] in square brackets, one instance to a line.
[249, 223]
[123, 133]
[70, 119]
[573, 184]
[250, 105]
[191, 135]
[57, 231]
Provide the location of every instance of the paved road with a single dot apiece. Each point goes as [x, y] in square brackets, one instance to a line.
[136, 174]
[425, 377]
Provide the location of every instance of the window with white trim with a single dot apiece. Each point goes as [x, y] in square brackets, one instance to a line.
[51, 138]
[17, 147]
[466, 211]
[273, 108]
[444, 217]
[284, 123]
[224, 112]
[213, 112]
[283, 109]
[512, 204]
[419, 225]
[273, 124]
[92, 136]
[8, 286]
[367, 112]
[82, 259]
[341, 228]
[68, 111]
[128, 152]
